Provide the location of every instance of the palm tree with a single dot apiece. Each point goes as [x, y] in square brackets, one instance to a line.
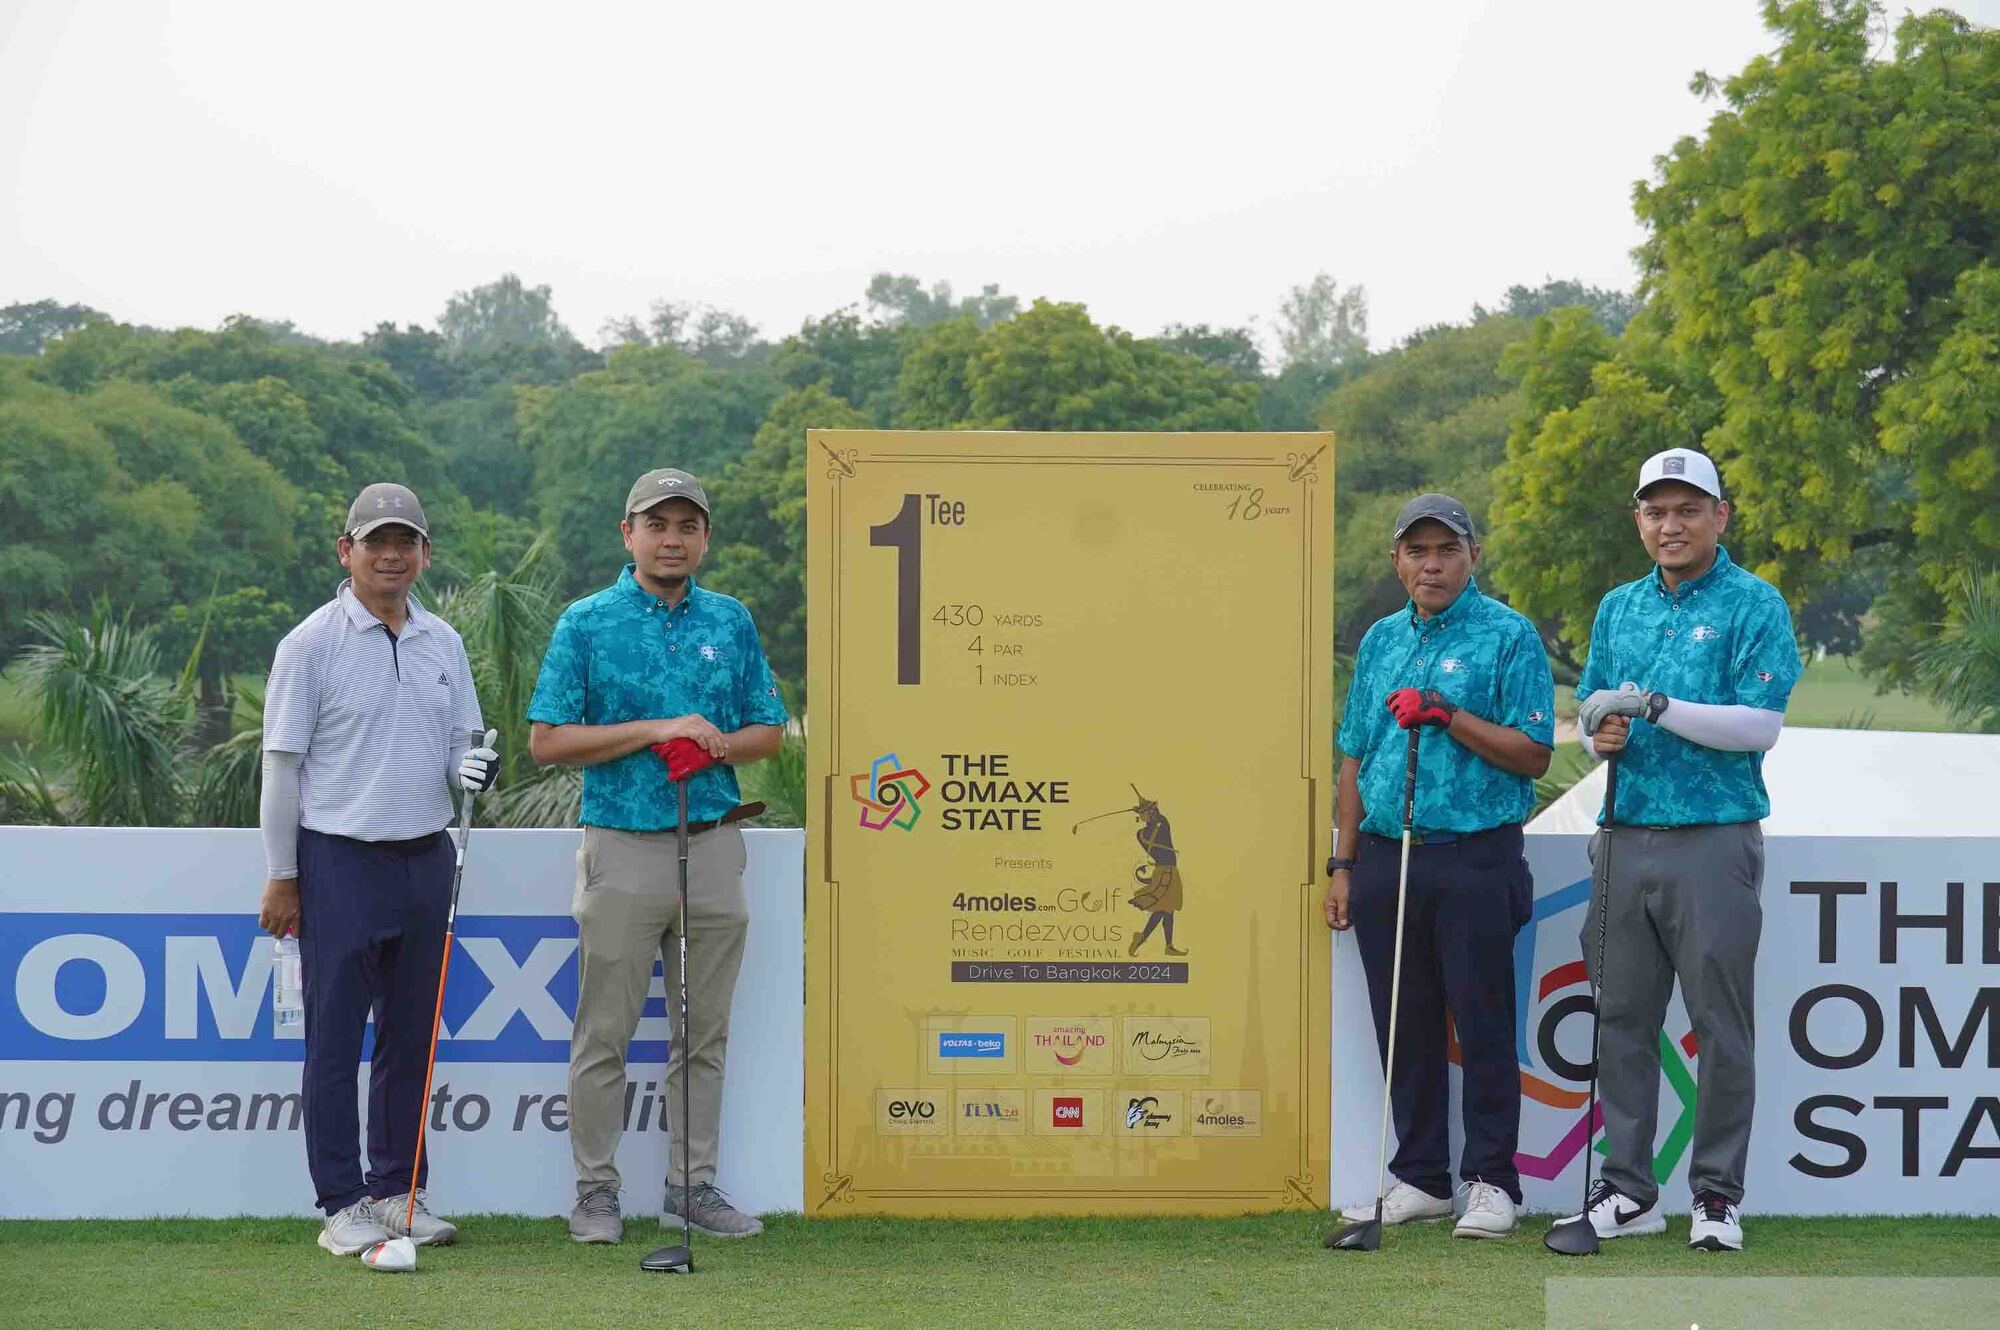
[100, 701]
[1961, 667]
[228, 775]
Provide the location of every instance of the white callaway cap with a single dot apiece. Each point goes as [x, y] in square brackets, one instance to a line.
[1682, 464]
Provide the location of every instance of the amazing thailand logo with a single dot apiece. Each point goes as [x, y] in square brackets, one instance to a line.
[1554, 1080]
[888, 793]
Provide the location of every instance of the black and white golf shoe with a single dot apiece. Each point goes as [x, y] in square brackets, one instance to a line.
[1718, 1223]
[1615, 1215]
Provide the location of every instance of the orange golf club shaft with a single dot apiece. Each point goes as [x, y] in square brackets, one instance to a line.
[430, 1070]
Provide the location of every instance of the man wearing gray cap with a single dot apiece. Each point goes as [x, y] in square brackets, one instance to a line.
[369, 713]
[1689, 671]
[1474, 672]
[652, 658]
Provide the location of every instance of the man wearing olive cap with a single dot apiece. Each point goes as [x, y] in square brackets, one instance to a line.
[369, 713]
[1472, 672]
[652, 658]
[1689, 671]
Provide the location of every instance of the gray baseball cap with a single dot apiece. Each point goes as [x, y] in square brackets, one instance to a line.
[656, 487]
[1439, 508]
[383, 503]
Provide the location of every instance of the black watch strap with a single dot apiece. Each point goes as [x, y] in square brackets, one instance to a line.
[1656, 705]
[1335, 863]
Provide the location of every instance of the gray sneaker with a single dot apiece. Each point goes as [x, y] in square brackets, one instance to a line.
[708, 1211]
[596, 1217]
[353, 1230]
[427, 1231]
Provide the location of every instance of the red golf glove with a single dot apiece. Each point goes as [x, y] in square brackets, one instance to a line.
[1420, 706]
[683, 757]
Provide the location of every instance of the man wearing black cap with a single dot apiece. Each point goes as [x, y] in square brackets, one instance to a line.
[1475, 673]
[653, 658]
[368, 714]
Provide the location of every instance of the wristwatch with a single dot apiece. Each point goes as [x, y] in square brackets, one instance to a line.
[1656, 706]
[1335, 863]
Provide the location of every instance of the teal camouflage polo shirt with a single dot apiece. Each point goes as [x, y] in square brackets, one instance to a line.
[623, 654]
[1482, 656]
[1724, 638]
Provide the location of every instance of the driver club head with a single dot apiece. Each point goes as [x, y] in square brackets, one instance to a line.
[1572, 1237]
[1364, 1236]
[397, 1256]
[675, 1260]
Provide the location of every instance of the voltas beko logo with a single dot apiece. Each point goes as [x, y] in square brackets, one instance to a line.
[954, 1044]
[1556, 1133]
[197, 988]
[888, 793]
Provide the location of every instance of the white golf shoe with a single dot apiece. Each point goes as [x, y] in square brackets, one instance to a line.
[428, 1230]
[1489, 1212]
[1718, 1223]
[1403, 1205]
[353, 1230]
[1615, 1215]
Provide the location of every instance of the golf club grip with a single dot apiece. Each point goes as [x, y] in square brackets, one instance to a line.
[1611, 789]
[1410, 781]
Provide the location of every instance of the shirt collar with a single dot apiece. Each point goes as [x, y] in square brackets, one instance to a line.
[362, 619]
[1702, 583]
[628, 586]
[1467, 600]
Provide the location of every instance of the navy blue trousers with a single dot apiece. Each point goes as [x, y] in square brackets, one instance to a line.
[371, 939]
[1467, 898]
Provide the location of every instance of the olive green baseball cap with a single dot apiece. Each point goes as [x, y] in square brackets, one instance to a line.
[656, 487]
[383, 503]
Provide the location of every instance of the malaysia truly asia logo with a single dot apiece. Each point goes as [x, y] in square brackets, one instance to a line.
[888, 793]
[1554, 1080]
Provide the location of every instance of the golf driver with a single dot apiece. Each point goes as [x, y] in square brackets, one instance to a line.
[684, 757]
[1578, 1236]
[1367, 1234]
[1116, 812]
[399, 1255]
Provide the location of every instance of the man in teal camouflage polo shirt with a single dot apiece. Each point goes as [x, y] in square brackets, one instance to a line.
[1689, 671]
[1473, 673]
[652, 658]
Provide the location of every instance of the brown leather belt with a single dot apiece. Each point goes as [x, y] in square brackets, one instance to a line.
[736, 814]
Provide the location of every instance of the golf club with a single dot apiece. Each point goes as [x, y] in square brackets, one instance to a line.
[400, 1254]
[684, 758]
[1367, 1234]
[1578, 1236]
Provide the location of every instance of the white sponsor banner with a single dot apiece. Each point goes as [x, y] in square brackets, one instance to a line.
[140, 1073]
[1878, 1036]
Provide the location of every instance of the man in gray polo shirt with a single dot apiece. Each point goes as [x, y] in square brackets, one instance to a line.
[368, 712]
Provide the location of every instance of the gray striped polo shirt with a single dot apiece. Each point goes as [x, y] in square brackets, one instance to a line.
[376, 718]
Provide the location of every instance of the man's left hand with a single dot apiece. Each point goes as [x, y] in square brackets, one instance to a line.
[478, 769]
[1625, 700]
[1420, 706]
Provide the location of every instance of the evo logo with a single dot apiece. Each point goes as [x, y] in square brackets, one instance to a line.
[954, 1044]
[197, 988]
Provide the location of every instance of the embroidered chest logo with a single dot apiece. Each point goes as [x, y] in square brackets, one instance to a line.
[1452, 665]
[709, 652]
[1535, 717]
[1703, 633]
[1763, 676]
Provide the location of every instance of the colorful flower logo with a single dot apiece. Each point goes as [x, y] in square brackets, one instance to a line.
[888, 793]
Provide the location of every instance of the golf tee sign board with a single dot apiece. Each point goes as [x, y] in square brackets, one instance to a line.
[1070, 735]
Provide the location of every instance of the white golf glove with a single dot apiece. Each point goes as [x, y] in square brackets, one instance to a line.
[1625, 700]
[478, 769]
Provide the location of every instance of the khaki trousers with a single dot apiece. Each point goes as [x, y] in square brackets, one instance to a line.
[627, 906]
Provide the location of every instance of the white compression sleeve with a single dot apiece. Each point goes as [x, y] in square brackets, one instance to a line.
[1734, 728]
[278, 814]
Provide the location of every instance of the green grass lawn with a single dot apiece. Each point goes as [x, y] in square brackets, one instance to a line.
[1833, 692]
[1261, 1270]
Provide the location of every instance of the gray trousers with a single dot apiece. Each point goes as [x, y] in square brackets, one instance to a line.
[627, 905]
[1683, 902]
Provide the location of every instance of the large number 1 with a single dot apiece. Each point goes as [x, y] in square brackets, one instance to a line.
[905, 532]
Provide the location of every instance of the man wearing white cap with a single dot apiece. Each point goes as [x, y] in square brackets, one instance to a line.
[1689, 671]
[369, 713]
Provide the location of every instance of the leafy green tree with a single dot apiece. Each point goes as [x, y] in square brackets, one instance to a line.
[1233, 349]
[900, 300]
[1320, 324]
[1613, 309]
[25, 329]
[1960, 667]
[505, 616]
[760, 522]
[860, 363]
[501, 314]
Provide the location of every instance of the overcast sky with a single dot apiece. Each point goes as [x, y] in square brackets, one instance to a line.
[341, 164]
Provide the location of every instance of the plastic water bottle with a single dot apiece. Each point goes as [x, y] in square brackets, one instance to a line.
[288, 991]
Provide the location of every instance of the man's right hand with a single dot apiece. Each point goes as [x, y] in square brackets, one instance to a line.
[278, 912]
[1612, 732]
[1334, 906]
[695, 728]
